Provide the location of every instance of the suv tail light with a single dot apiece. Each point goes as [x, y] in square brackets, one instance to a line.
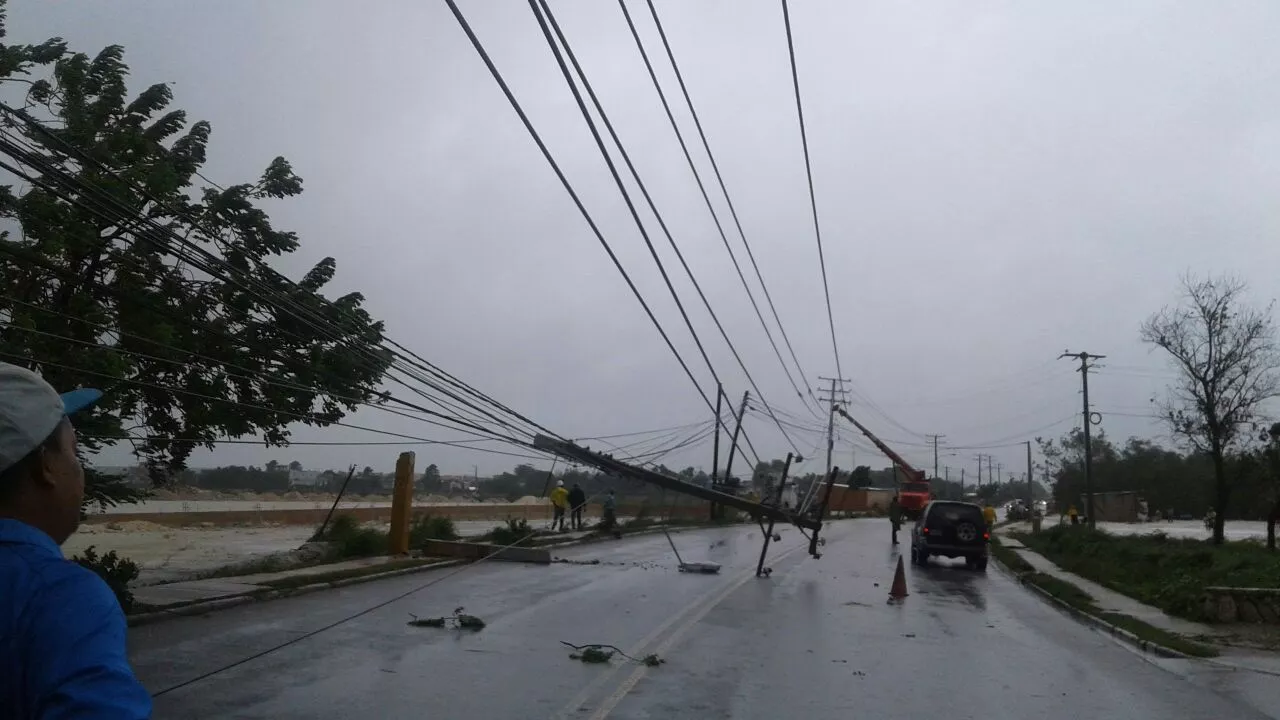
[925, 530]
[986, 536]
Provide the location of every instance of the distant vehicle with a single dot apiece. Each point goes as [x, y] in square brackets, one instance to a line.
[951, 529]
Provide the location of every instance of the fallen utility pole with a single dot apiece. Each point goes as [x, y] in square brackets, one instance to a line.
[761, 570]
[611, 466]
[341, 491]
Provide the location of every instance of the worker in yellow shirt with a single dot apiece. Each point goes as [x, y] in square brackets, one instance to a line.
[989, 515]
[559, 503]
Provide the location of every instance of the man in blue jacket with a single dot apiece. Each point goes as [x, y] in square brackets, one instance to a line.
[62, 633]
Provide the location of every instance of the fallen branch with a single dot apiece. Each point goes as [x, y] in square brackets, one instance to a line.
[598, 653]
[458, 619]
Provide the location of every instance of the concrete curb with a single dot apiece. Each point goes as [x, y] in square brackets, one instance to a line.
[267, 593]
[593, 539]
[1144, 645]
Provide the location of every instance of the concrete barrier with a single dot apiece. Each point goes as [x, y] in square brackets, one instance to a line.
[476, 551]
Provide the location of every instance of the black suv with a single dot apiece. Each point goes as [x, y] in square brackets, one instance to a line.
[952, 529]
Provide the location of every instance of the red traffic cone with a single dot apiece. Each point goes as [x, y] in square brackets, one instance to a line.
[899, 589]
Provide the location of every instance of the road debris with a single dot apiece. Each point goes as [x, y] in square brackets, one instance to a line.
[597, 653]
[458, 619]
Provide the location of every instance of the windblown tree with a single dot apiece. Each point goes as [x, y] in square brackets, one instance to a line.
[1228, 363]
[122, 268]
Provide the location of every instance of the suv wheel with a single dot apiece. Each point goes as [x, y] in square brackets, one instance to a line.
[922, 557]
[981, 565]
[966, 532]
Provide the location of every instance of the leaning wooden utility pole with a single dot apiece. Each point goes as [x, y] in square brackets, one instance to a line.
[1084, 359]
[737, 428]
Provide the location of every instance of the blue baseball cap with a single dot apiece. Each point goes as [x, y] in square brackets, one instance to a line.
[30, 410]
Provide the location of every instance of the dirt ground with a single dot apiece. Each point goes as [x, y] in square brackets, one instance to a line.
[167, 554]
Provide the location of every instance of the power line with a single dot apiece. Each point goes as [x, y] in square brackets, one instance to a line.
[76, 182]
[564, 181]
[604, 117]
[288, 301]
[123, 351]
[303, 416]
[666, 106]
[462, 444]
[808, 170]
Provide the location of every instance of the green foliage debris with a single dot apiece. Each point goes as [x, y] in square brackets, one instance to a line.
[458, 619]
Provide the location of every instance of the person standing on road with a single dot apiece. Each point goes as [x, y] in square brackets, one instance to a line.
[62, 632]
[610, 521]
[577, 501]
[989, 515]
[895, 516]
[559, 501]
[1073, 514]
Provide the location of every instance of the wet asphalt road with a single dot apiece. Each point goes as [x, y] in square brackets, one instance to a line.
[817, 638]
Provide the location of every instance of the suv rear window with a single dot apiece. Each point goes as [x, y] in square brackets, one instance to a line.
[951, 513]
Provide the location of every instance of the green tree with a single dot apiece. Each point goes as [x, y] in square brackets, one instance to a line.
[430, 480]
[295, 466]
[1225, 352]
[94, 296]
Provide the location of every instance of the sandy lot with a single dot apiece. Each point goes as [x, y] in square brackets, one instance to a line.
[167, 554]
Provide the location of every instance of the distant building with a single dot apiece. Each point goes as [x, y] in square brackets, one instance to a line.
[308, 478]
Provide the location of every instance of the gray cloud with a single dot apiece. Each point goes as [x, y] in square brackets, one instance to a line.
[997, 182]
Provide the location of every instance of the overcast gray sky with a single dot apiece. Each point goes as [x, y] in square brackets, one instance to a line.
[997, 182]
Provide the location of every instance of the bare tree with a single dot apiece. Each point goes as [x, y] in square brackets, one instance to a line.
[1226, 354]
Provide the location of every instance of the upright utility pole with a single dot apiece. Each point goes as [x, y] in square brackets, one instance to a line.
[831, 399]
[979, 457]
[715, 448]
[1031, 495]
[999, 470]
[935, 440]
[961, 483]
[1084, 359]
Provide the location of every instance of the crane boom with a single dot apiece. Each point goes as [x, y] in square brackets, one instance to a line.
[897, 459]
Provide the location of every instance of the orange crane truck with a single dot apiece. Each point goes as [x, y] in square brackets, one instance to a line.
[914, 491]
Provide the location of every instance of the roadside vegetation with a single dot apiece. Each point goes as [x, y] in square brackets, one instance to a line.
[1164, 572]
[350, 539]
[1082, 601]
[1009, 558]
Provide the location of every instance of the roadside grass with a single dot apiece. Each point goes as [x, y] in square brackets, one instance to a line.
[1064, 591]
[1159, 636]
[296, 581]
[350, 539]
[1009, 558]
[1083, 601]
[1164, 572]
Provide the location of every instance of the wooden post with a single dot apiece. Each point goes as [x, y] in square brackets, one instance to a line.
[401, 505]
